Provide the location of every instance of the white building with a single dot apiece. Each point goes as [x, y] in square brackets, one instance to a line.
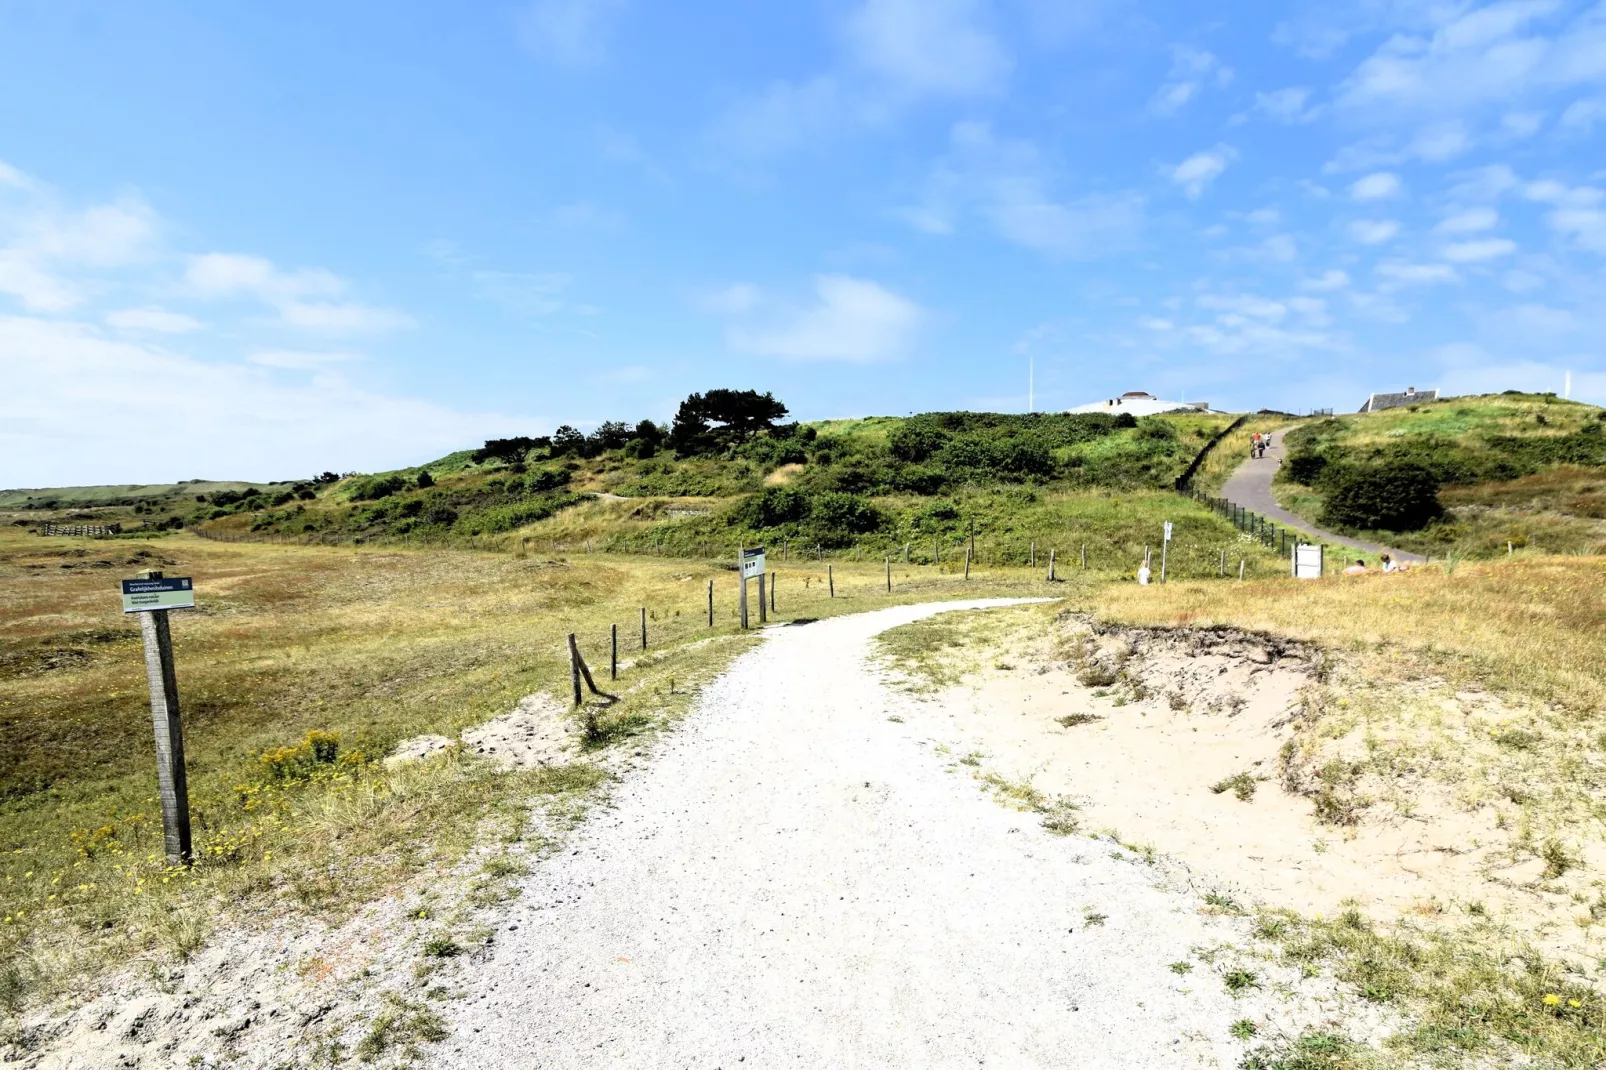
[1141, 403]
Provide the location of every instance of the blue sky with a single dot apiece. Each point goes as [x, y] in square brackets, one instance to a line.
[248, 240]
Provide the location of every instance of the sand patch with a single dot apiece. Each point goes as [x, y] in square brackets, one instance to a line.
[1181, 739]
[534, 733]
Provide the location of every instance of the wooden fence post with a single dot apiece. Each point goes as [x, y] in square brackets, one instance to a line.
[972, 536]
[830, 579]
[763, 605]
[773, 585]
[574, 670]
[710, 603]
[613, 659]
[889, 575]
[1034, 554]
[171, 781]
[967, 562]
[1240, 568]
[1221, 570]
[644, 627]
[741, 577]
[1084, 555]
[1051, 565]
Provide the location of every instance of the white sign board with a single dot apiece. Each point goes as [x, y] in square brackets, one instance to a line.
[752, 562]
[144, 596]
[1307, 562]
[1168, 531]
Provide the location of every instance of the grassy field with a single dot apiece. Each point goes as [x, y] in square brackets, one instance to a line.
[365, 645]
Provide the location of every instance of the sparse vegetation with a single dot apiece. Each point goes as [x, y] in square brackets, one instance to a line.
[1242, 786]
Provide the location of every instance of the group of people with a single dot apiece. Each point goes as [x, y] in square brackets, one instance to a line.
[1258, 443]
[1389, 565]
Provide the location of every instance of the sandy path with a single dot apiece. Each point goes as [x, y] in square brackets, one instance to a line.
[1250, 486]
[794, 880]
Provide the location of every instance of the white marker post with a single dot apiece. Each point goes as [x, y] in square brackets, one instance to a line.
[152, 597]
[1164, 546]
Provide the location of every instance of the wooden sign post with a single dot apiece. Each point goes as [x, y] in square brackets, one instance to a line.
[152, 597]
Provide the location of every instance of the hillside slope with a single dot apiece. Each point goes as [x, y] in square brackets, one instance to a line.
[1523, 469]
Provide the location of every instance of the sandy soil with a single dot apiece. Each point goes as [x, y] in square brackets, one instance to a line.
[1217, 705]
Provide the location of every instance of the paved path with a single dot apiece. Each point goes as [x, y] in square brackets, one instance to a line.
[1250, 487]
[793, 879]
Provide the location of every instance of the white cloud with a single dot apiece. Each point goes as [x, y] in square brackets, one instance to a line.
[1521, 124]
[927, 47]
[1008, 184]
[158, 320]
[1244, 305]
[1484, 184]
[298, 360]
[1373, 231]
[48, 250]
[223, 275]
[1378, 186]
[1490, 55]
[895, 54]
[1582, 115]
[255, 424]
[232, 274]
[1191, 69]
[1331, 279]
[788, 114]
[342, 318]
[1470, 221]
[1285, 105]
[1200, 169]
[1471, 252]
[572, 33]
[1398, 273]
[1576, 213]
[852, 320]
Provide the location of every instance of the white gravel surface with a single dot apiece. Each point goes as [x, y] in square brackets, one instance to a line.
[794, 880]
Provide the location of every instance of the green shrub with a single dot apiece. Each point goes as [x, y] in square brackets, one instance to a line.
[1396, 497]
[771, 508]
[1304, 467]
[835, 519]
[378, 487]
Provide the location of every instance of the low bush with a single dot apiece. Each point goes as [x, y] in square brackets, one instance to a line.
[1396, 497]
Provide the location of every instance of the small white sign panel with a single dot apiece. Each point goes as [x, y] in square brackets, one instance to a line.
[1307, 562]
[752, 563]
[1168, 531]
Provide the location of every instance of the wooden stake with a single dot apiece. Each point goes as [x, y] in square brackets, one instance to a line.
[1240, 568]
[644, 627]
[1051, 565]
[613, 657]
[830, 579]
[1221, 569]
[967, 562]
[889, 575]
[710, 603]
[972, 537]
[763, 604]
[574, 670]
[773, 577]
[172, 784]
[741, 578]
[1084, 555]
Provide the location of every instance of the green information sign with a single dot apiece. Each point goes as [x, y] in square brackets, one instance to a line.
[143, 596]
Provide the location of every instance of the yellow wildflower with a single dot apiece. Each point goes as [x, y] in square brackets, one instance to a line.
[1551, 999]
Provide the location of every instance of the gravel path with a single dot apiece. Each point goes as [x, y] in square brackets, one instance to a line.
[1250, 486]
[792, 879]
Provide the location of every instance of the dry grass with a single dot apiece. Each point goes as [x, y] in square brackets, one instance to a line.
[1535, 627]
[370, 646]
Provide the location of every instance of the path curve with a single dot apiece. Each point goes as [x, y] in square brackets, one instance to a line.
[1250, 486]
[794, 879]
